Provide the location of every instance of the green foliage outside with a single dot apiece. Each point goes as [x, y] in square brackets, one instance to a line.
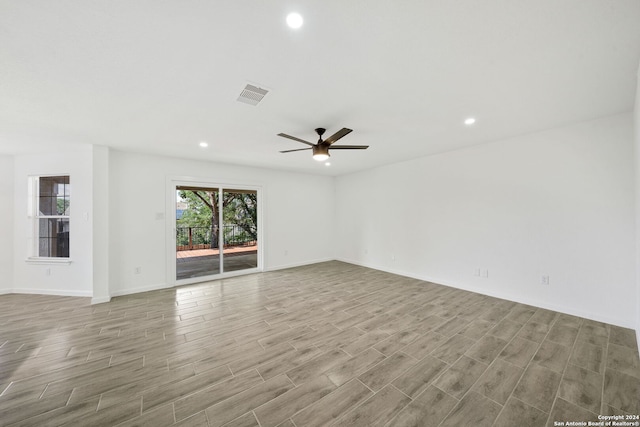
[239, 215]
[62, 205]
[197, 213]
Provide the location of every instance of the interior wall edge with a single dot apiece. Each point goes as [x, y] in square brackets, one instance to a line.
[7, 252]
[100, 300]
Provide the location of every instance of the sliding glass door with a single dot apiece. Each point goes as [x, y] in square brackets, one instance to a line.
[240, 225]
[216, 231]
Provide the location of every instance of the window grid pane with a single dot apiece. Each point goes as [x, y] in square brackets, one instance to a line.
[54, 196]
[53, 201]
[53, 241]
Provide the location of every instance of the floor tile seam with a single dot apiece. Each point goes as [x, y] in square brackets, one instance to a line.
[471, 388]
[397, 376]
[498, 356]
[413, 357]
[253, 411]
[302, 409]
[488, 398]
[579, 406]
[524, 370]
[173, 411]
[555, 398]
[206, 325]
[585, 368]
[621, 373]
[44, 390]
[513, 364]
[133, 381]
[4, 390]
[29, 416]
[480, 361]
[444, 361]
[452, 408]
[405, 394]
[192, 392]
[271, 400]
[374, 394]
[46, 381]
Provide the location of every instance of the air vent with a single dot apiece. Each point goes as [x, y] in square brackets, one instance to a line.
[252, 95]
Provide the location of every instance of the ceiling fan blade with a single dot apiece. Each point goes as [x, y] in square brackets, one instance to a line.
[298, 149]
[348, 147]
[336, 136]
[284, 135]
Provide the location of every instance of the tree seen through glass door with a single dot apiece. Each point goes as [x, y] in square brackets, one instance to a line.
[200, 231]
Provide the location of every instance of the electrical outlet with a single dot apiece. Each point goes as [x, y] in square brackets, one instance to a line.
[485, 273]
[137, 270]
[47, 272]
[544, 279]
[476, 272]
[393, 257]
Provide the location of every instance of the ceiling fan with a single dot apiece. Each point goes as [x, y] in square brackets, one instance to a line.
[322, 147]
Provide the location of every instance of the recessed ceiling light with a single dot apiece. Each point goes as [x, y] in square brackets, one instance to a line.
[294, 20]
[204, 144]
[327, 164]
[469, 121]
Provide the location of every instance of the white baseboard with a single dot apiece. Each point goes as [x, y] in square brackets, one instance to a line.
[156, 287]
[58, 292]
[515, 298]
[299, 264]
[5, 291]
[100, 300]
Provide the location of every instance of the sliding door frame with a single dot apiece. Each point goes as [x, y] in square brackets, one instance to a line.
[173, 182]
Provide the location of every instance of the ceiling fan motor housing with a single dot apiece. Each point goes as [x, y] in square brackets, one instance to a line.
[320, 149]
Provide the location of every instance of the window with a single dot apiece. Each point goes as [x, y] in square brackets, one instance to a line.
[51, 201]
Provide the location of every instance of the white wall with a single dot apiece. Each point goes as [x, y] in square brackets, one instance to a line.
[6, 224]
[100, 232]
[75, 278]
[298, 213]
[557, 203]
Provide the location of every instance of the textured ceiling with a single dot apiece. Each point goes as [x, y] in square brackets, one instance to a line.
[161, 76]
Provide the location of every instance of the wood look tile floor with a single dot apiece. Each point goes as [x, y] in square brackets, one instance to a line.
[326, 344]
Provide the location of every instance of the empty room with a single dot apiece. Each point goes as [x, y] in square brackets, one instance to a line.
[319, 213]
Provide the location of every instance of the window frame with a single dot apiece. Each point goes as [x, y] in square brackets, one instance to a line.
[34, 217]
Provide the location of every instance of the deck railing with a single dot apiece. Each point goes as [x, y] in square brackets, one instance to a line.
[190, 238]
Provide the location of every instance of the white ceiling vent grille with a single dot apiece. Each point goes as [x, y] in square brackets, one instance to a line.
[252, 95]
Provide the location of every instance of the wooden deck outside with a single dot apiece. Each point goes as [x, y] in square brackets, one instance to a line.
[206, 262]
[183, 256]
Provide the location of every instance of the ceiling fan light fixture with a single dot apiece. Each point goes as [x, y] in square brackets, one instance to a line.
[320, 153]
